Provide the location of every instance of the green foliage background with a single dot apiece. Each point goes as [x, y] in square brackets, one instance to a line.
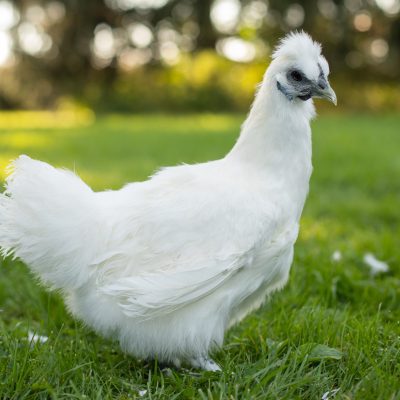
[202, 77]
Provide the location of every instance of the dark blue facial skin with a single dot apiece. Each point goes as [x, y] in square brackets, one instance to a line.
[299, 86]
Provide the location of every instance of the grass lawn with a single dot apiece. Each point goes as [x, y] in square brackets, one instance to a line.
[334, 328]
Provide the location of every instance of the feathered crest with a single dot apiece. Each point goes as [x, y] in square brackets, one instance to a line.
[296, 44]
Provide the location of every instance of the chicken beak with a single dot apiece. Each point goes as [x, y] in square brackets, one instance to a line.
[325, 93]
[330, 95]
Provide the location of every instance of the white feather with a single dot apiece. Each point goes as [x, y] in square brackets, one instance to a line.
[167, 265]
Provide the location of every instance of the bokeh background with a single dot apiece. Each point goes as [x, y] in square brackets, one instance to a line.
[187, 55]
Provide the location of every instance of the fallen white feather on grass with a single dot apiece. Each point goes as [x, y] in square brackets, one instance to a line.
[329, 394]
[33, 337]
[336, 256]
[376, 266]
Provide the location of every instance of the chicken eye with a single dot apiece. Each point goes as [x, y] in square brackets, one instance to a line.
[296, 75]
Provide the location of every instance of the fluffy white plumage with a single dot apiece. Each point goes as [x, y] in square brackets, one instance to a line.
[167, 265]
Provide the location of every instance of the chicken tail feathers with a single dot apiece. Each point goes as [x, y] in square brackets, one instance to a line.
[48, 220]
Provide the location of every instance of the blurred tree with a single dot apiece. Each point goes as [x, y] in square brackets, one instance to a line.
[207, 37]
[49, 48]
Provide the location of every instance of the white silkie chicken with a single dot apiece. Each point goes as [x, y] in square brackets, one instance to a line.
[166, 266]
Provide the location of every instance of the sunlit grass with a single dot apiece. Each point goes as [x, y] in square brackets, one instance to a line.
[353, 207]
[46, 119]
[135, 147]
[25, 139]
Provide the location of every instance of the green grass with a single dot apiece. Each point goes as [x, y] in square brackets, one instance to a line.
[277, 352]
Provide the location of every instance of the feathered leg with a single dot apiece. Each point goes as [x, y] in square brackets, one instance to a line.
[205, 363]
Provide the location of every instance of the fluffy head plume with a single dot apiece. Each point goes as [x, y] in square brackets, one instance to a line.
[296, 45]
